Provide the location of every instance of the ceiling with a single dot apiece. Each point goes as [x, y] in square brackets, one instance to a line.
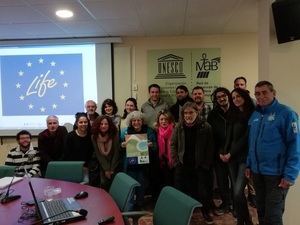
[35, 19]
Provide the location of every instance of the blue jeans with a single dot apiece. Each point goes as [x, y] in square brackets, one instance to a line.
[270, 199]
[238, 179]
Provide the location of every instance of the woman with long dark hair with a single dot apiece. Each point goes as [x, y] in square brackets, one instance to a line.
[130, 106]
[109, 108]
[78, 145]
[106, 145]
[236, 149]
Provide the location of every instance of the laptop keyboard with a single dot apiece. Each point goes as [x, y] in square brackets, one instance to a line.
[56, 209]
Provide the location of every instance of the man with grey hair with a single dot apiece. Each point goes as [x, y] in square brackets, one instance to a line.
[274, 153]
[91, 107]
[51, 142]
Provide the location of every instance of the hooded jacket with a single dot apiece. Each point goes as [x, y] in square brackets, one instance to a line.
[274, 141]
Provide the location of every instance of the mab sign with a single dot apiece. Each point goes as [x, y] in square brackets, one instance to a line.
[205, 65]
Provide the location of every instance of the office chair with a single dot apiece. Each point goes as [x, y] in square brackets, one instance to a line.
[65, 170]
[172, 207]
[7, 171]
[122, 190]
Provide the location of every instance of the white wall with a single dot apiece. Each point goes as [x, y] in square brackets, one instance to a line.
[285, 75]
[280, 65]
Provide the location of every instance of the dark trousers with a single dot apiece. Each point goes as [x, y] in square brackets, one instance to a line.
[238, 179]
[195, 183]
[222, 176]
[270, 199]
[139, 174]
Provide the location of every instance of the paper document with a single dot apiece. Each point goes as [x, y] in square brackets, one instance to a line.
[5, 181]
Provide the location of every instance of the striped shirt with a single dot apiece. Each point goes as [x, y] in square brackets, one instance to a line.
[30, 160]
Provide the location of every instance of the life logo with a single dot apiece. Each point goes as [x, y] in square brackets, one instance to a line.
[204, 66]
[169, 67]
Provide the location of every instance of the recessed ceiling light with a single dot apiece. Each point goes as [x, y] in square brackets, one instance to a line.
[64, 13]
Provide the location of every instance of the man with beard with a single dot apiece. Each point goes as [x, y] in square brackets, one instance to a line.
[91, 107]
[192, 155]
[198, 97]
[182, 96]
[51, 142]
[25, 157]
[217, 118]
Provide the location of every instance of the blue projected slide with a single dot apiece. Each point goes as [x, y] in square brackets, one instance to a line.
[40, 81]
[42, 85]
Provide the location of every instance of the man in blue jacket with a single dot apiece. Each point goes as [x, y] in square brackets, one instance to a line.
[274, 153]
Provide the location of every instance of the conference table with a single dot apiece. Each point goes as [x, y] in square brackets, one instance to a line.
[99, 203]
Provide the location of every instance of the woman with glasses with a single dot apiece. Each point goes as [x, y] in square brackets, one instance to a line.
[144, 173]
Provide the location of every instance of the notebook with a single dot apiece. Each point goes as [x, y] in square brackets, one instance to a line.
[5, 181]
[56, 211]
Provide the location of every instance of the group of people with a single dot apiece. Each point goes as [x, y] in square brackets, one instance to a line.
[193, 147]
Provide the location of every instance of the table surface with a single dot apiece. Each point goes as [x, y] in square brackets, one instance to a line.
[99, 203]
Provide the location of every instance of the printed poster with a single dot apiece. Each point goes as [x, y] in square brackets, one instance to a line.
[137, 149]
[170, 68]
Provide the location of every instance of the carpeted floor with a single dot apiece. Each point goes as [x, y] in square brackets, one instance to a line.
[226, 219]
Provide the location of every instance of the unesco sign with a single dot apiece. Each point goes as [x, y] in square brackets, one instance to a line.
[170, 66]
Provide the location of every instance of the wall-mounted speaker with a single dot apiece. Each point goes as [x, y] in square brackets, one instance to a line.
[286, 15]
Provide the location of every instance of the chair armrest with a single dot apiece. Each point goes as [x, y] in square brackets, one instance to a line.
[84, 182]
[137, 213]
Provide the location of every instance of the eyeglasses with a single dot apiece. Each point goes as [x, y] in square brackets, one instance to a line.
[221, 96]
[24, 138]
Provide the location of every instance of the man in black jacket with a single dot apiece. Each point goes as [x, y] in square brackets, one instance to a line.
[217, 118]
[182, 96]
[51, 142]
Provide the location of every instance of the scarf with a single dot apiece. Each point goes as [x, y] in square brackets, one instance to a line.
[164, 144]
[104, 144]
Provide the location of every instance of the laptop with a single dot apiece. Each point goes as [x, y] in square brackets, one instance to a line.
[56, 211]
